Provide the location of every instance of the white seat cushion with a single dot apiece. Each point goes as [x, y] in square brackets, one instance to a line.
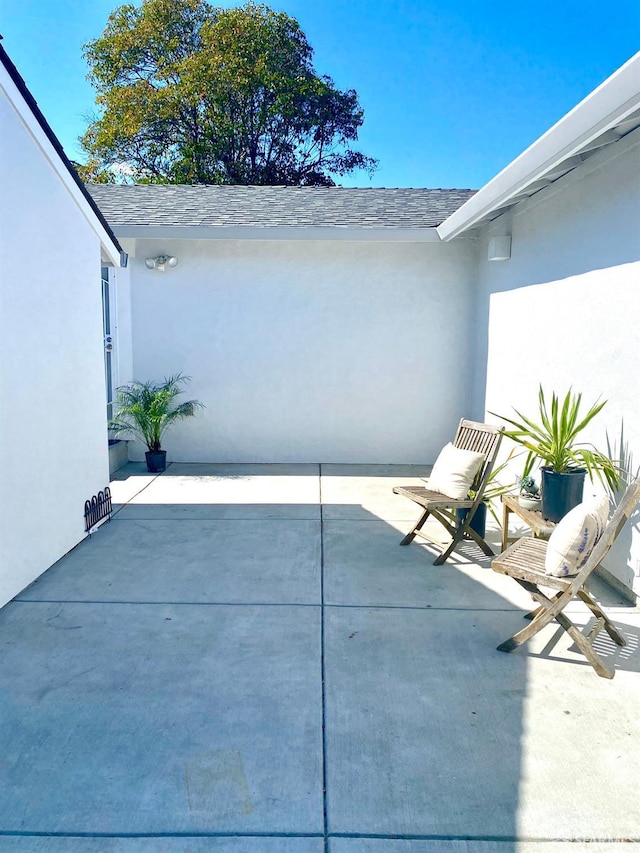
[573, 540]
[454, 471]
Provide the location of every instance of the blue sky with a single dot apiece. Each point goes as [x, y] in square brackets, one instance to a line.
[452, 92]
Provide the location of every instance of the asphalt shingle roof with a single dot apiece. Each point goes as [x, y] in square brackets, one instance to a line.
[264, 206]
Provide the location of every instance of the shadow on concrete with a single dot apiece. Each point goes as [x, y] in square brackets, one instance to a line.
[278, 677]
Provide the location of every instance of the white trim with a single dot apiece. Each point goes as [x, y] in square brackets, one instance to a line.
[33, 128]
[603, 109]
[113, 323]
[600, 160]
[278, 232]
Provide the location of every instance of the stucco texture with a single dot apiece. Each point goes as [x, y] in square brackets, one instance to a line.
[565, 310]
[309, 350]
[53, 449]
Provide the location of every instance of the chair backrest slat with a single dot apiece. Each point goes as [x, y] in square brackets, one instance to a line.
[622, 514]
[480, 438]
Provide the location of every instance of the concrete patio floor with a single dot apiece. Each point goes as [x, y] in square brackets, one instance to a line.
[245, 661]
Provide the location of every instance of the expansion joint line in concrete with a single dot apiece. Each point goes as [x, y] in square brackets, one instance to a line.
[126, 503]
[323, 671]
[25, 833]
[378, 836]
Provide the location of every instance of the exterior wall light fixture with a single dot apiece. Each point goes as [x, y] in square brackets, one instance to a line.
[499, 248]
[160, 263]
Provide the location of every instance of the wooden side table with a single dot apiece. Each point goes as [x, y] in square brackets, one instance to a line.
[540, 527]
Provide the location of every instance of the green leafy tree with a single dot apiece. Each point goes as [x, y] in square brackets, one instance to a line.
[191, 93]
[92, 172]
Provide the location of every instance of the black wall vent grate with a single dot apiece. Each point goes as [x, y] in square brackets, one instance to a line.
[96, 509]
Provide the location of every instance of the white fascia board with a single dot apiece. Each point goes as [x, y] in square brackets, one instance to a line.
[32, 126]
[606, 106]
[277, 232]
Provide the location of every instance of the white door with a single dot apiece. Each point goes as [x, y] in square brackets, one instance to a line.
[109, 333]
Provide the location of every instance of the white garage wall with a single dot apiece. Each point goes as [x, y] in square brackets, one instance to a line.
[53, 452]
[309, 351]
[565, 310]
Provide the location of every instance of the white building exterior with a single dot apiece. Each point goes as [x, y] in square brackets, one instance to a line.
[308, 350]
[311, 341]
[564, 310]
[53, 447]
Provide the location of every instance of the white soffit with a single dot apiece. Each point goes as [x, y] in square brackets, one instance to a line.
[277, 232]
[606, 115]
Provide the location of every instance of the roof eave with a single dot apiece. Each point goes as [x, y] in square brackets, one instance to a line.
[389, 234]
[36, 124]
[605, 107]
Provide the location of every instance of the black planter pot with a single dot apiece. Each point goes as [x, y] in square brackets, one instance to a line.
[156, 461]
[479, 520]
[561, 492]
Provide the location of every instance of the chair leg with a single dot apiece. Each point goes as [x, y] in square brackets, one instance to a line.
[458, 536]
[540, 617]
[608, 625]
[533, 613]
[418, 526]
[543, 616]
[441, 558]
[540, 621]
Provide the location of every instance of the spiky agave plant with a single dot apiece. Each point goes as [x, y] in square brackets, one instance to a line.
[148, 409]
[554, 440]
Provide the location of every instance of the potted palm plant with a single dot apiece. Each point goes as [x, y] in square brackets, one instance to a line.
[553, 440]
[147, 410]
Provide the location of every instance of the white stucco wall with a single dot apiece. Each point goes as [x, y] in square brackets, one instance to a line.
[565, 309]
[309, 350]
[53, 453]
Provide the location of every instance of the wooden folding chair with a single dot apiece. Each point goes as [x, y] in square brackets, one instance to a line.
[524, 562]
[481, 438]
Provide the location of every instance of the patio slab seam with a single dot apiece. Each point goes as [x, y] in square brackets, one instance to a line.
[311, 604]
[507, 838]
[9, 833]
[120, 507]
[165, 602]
[325, 815]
